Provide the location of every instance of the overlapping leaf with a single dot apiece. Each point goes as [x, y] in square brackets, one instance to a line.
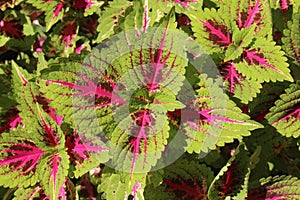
[291, 39]
[182, 183]
[215, 120]
[42, 150]
[232, 180]
[277, 187]
[285, 115]
[238, 38]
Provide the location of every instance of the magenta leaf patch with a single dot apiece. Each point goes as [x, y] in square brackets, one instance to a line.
[83, 149]
[218, 33]
[211, 122]
[21, 156]
[231, 75]
[254, 57]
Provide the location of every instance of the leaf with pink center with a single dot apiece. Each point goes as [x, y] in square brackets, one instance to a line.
[53, 171]
[18, 159]
[141, 143]
[66, 88]
[285, 114]
[214, 119]
[264, 61]
[101, 87]
[253, 13]
[238, 85]
[211, 31]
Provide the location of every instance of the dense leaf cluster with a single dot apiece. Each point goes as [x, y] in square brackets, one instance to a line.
[150, 99]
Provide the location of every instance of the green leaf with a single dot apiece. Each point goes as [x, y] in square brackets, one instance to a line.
[52, 171]
[291, 41]
[120, 185]
[277, 187]
[285, 114]
[109, 18]
[264, 61]
[232, 180]
[3, 40]
[215, 120]
[184, 179]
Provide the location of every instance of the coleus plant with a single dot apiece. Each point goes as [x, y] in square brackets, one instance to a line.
[149, 99]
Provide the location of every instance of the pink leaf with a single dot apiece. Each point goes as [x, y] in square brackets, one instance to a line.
[59, 7]
[83, 149]
[231, 75]
[25, 156]
[254, 57]
[218, 33]
[12, 120]
[252, 14]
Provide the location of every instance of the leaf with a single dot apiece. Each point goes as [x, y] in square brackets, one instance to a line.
[215, 120]
[12, 120]
[240, 86]
[211, 30]
[3, 40]
[53, 10]
[180, 182]
[291, 40]
[19, 159]
[277, 187]
[284, 116]
[232, 180]
[30, 193]
[109, 18]
[118, 185]
[269, 93]
[264, 61]
[53, 169]
[85, 154]
[83, 149]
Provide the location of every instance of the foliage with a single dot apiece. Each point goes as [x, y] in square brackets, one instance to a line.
[173, 99]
